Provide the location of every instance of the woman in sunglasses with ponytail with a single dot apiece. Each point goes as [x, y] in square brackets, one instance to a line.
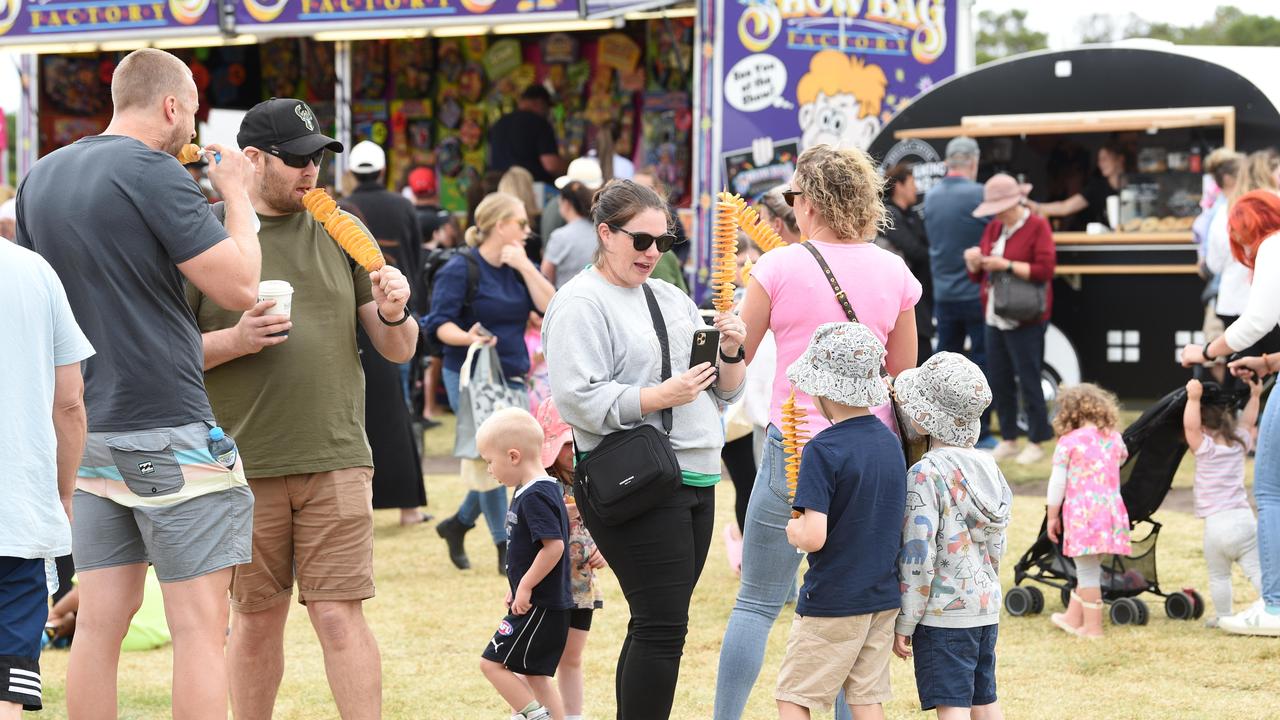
[605, 359]
[494, 311]
[836, 196]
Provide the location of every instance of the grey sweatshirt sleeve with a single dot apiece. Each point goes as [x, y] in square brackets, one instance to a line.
[582, 372]
[917, 561]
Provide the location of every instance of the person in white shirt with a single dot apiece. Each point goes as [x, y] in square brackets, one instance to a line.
[42, 431]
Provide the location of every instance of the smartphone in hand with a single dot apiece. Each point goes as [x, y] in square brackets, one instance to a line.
[706, 347]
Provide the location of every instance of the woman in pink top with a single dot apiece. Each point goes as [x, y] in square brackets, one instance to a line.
[837, 201]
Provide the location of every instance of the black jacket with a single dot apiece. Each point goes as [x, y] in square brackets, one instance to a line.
[394, 223]
[907, 238]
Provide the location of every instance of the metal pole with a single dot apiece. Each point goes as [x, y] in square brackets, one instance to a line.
[27, 126]
[342, 108]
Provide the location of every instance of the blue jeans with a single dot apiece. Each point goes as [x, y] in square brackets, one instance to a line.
[406, 373]
[492, 503]
[956, 321]
[1014, 359]
[1266, 490]
[769, 565]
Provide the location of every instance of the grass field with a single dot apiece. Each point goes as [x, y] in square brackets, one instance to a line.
[432, 621]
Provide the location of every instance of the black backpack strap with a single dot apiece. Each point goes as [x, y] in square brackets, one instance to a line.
[473, 277]
[835, 284]
[660, 327]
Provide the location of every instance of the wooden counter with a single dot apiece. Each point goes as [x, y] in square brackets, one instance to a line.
[1125, 238]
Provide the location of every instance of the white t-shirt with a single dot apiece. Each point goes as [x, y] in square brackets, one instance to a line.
[1233, 287]
[1262, 311]
[37, 333]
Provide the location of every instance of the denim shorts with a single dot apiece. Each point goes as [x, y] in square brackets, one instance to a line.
[955, 667]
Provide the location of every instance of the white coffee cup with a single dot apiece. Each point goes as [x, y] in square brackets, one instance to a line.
[282, 293]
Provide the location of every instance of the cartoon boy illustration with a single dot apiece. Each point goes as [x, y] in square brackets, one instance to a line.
[840, 100]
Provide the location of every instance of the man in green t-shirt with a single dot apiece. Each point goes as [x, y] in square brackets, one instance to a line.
[291, 391]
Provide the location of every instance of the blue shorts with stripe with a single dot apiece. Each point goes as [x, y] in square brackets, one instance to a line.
[24, 608]
[530, 644]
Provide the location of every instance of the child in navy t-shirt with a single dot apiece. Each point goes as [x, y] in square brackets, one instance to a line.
[531, 638]
[849, 497]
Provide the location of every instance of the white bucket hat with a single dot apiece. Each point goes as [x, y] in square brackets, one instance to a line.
[842, 364]
[946, 397]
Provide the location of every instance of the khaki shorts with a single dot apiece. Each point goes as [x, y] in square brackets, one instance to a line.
[825, 654]
[317, 528]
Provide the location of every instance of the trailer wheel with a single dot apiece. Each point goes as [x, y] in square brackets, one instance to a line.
[1123, 612]
[1018, 602]
[1037, 600]
[1180, 606]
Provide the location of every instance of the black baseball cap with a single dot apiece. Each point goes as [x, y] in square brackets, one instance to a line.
[286, 125]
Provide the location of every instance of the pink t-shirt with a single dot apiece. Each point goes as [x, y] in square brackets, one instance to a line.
[1220, 471]
[879, 287]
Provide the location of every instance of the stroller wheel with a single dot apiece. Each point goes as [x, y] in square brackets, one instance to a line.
[1123, 612]
[1037, 600]
[1180, 606]
[1018, 602]
[1143, 613]
[1198, 600]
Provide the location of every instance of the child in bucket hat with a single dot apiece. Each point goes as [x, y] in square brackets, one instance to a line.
[850, 499]
[953, 537]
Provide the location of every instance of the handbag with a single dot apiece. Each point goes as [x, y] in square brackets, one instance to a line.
[1016, 299]
[482, 391]
[914, 445]
[632, 471]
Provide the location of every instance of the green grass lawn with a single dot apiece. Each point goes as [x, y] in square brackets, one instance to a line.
[432, 622]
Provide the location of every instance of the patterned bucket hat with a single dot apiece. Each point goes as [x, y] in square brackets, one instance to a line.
[945, 396]
[842, 364]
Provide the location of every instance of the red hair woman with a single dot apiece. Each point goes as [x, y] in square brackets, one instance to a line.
[1255, 219]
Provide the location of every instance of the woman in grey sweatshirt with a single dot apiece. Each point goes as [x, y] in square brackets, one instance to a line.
[605, 362]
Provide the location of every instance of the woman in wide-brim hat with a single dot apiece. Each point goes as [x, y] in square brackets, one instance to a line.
[1020, 242]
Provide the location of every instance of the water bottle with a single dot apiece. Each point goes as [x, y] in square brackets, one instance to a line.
[222, 447]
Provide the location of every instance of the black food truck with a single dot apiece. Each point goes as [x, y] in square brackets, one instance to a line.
[1128, 291]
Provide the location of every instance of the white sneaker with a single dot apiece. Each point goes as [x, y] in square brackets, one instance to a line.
[1030, 455]
[540, 714]
[1006, 450]
[1253, 621]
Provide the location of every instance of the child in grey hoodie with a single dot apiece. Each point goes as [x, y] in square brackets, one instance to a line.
[953, 537]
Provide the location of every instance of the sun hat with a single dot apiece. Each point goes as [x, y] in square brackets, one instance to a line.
[842, 364]
[945, 396]
[555, 431]
[999, 194]
[585, 170]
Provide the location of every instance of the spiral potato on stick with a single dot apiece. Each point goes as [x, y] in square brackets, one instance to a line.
[724, 253]
[794, 437]
[344, 229]
[189, 153]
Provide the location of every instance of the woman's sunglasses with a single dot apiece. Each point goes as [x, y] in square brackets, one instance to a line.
[790, 197]
[299, 161]
[641, 240]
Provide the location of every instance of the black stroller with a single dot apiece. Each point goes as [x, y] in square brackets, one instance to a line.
[1156, 446]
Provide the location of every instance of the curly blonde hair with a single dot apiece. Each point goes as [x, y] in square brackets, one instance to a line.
[1083, 404]
[844, 188]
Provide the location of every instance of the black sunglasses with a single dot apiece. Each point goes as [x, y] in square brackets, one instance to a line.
[299, 161]
[790, 197]
[641, 240]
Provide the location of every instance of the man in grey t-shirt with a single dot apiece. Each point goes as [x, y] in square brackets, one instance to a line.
[122, 224]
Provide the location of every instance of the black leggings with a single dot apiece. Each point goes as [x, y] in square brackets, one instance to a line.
[739, 458]
[657, 558]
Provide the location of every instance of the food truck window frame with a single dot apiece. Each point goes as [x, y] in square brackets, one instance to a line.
[1088, 122]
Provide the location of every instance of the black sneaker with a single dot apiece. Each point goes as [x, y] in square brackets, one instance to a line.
[502, 558]
[453, 532]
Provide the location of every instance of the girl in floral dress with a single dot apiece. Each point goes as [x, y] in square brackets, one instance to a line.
[584, 559]
[1086, 512]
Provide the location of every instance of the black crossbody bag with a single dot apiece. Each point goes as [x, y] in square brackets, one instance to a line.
[632, 471]
[914, 445]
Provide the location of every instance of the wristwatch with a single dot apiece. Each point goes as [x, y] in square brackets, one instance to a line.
[734, 359]
[401, 321]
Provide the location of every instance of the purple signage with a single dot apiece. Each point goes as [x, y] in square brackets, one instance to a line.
[791, 74]
[370, 13]
[28, 21]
